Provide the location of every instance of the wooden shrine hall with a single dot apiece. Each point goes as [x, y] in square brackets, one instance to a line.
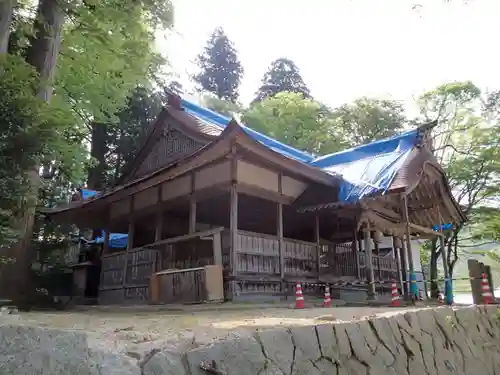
[211, 210]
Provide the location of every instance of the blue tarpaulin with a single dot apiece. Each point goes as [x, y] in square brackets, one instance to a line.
[365, 169]
[369, 168]
[87, 193]
[116, 240]
[222, 121]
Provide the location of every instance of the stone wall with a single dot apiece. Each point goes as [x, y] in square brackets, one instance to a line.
[465, 341]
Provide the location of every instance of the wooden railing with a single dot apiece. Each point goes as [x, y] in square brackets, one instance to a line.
[384, 268]
[259, 254]
[338, 260]
[125, 275]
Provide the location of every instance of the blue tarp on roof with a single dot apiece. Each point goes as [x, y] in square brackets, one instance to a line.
[222, 121]
[116, 240]
[365, 169]
[369, 168]
[87, 193]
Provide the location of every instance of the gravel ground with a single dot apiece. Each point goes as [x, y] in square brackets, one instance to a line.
[140, 329]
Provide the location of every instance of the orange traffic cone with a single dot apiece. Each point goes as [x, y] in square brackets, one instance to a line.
[395, 295]
[485, 290]
[327, 301]
[299, 298]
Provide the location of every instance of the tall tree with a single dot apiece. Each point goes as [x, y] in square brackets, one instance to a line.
[283, 75]
[467, 143]
[366, 120]
[41, 51]
[220, 69]
[295, 120]
[115, 144]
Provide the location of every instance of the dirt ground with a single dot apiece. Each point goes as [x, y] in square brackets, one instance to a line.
[141, 329]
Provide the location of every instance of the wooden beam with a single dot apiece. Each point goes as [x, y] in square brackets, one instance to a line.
[378, 207]
[421, 229]
[263, 193]
[206, 233]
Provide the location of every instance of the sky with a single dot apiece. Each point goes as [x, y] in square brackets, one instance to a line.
[346, 49]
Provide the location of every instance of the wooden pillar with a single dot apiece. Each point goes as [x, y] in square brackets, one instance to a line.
[356, 248]
[217, 248]
[159, 226]
[158, 237]
[369, 262]
[279, 233]
[377, 251]
[130, 243]
[443, 256]
[233, 235]
[399, 267]
[192, 215]
[404, 210]
[317, 238]
[105, 246]
[404, 268]
[281, 244]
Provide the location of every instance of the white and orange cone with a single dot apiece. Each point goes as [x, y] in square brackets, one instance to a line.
[421, 295]
[327, 301]
[485, 290]
[395, 295]
[299, 297]
[440, 297]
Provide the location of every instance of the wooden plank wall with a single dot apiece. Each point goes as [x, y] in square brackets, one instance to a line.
[258, 262]
[191, 253]
[339, 260]
[384, 268]
[183, 286]
[133, 287]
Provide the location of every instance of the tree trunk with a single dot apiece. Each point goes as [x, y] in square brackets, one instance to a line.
[16, 280]
[433, 273]
[6, 10]
[96, 177]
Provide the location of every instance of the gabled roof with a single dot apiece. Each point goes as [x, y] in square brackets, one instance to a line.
[371, 168]
[233, 135]
[211, 118]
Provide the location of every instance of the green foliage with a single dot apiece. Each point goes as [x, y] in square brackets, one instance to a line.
[366, 120]
[295, 120]
[220, 69]
[98, 84]
[223, 107]
[33, 132]
[466, 143]
[127, 135]
[106, 52]
[283, 75]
